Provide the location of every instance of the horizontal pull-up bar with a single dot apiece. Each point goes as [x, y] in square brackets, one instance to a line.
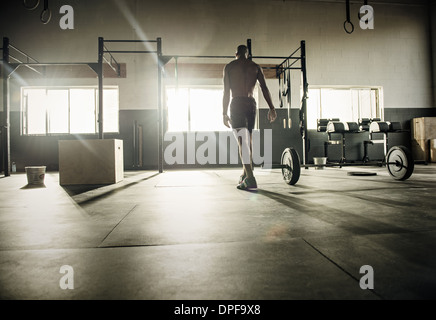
[205, 57]
[32, 64]
[232, 57]
[129, 41]
[277, 68]
[291, 68]
[270, 57]
[123, 51]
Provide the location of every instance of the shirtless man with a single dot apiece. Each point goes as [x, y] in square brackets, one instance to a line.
[240, 77]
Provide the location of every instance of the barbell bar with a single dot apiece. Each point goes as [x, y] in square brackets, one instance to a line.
[399, 162]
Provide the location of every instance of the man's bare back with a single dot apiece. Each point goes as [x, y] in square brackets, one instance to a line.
[240, 78]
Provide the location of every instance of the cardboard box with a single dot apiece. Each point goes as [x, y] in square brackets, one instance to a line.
[84, 162]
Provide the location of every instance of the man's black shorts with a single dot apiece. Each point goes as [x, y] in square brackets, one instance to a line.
[243, 113]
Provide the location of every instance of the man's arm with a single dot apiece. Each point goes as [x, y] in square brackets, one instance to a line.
[226, 98]
[263, 86]
[272, 115]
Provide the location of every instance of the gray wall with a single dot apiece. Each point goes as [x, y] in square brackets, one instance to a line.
[397, 55]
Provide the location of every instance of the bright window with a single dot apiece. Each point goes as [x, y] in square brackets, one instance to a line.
[82, 111]
[67, 110]
[57, 108]
[346, 104]
[35, 110]
[178, 110]
[195, 109]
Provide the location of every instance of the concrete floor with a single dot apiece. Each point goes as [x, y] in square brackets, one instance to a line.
[188, 235]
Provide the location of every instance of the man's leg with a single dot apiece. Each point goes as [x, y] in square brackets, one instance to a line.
[244, 172]
[248, 167]
[251, 153]
[244, 138]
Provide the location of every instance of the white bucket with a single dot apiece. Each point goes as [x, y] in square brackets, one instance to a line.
[35, 175]
[319, 161]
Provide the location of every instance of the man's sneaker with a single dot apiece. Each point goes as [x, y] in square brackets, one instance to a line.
[248, 183]
[242, 178]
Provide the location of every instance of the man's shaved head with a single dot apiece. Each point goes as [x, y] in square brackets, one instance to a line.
[242, 50]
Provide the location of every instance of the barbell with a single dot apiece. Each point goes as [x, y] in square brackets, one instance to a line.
[399, 163]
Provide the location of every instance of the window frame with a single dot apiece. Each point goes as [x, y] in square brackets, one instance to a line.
[24, 112]
[379, 100]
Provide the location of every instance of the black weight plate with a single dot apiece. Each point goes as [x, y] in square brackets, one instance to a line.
[400, 163]
[361, 174]
[291, 162]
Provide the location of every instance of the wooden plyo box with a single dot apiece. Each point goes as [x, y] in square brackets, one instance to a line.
[420, 150]
[423, 133]
[424, 128]
[433, 150]
[83, 162]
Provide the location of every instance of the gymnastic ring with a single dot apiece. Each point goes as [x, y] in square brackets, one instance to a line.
[30, 7]
[45, 19]
[345, 27]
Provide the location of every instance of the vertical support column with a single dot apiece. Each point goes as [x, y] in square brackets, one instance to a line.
[6, 110]
[250, 53]
[135, 150]
[303, 111]
[432, 18]
[100, 87]
[386, 145]
[160, 106]
[343, 158]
